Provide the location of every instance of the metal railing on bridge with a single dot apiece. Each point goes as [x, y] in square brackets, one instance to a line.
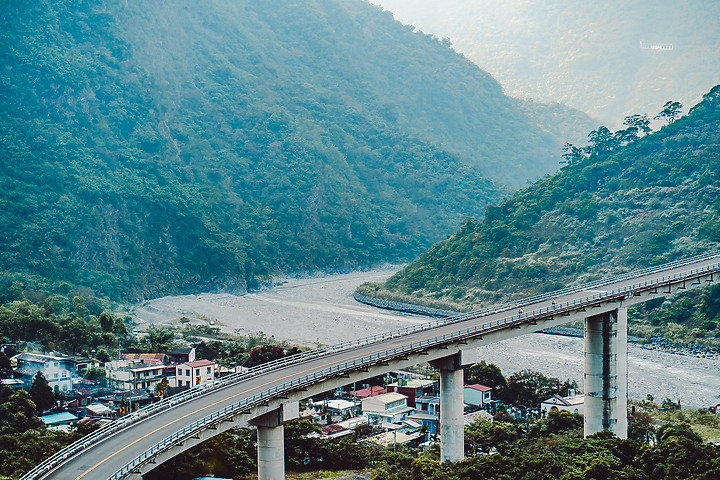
[520, 317]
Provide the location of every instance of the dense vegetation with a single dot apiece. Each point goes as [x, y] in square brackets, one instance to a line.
[626, 201]
[155, 147]
[24, 440]
[587, 55]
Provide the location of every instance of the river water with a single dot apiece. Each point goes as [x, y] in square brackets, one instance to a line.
[321, 311]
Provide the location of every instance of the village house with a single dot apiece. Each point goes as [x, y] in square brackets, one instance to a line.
[369, 391]
[193, 373]
[427, 412]
[573, 403]
[130, 374]
[336, 408]
[56, 420]
[182, 355]
[477, 395]
[386, 408]
[413, 389]
[58, 370]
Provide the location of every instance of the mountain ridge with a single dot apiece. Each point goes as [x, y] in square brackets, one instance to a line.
[160, 147]
[647, 203]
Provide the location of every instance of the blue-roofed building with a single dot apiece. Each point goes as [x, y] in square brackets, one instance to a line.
[58, 419]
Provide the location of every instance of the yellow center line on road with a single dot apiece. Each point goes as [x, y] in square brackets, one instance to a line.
[250, 390]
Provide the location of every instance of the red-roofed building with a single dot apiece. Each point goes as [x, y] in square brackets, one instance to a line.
[413, 388]
[478, 395]
[335, 430]
[193, 373]
[370, 392]
[148, 358]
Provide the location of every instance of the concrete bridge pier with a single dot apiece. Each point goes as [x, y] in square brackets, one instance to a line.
[606, 373]
[271, 452]
[271, 440]
[452, 427]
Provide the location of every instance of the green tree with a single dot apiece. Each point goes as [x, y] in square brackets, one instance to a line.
[560, 421]
[102, 356]
[529, 388]
[640, 123]
[670, 111]
[94, 373]
[79, 304]
[17, 412]
[601, 141]
[300, 450]
[487, 374]
[107, 322]
[264, 353]
[6, 370]
[573, 154]
[75, 334]
[641, 427]
[41, 393]
[159, 340]
[483, 435]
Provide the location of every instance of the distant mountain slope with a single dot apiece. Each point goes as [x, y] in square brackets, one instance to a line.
[584, 54]
[158, 146]
[652, 201]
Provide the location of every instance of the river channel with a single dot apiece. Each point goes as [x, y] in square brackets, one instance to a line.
[321, 311]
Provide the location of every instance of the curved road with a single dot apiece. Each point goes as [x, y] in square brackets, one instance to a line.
[104, 458]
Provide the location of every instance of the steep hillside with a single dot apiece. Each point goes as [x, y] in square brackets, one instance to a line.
[609, 211]
[154, 146]
[584, 54]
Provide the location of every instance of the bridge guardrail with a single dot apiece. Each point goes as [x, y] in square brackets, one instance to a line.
[389, 354]
[119, 424]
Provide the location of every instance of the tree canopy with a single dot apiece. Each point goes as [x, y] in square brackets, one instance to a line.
[267, 137]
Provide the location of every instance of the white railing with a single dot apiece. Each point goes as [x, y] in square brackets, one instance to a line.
[520, 317]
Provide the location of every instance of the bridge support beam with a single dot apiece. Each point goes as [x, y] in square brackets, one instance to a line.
[606, 373]
[271, 440]
[452, 426]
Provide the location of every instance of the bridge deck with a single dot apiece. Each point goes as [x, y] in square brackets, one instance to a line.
[105, 457]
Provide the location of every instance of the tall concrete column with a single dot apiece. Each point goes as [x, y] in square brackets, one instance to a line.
[271, 440]
[452, 426]
[606, 373]
[271, 453]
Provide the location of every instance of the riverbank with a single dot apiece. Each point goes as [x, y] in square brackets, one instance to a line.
[322, 310]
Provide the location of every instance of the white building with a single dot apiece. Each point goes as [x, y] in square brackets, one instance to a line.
[131, 375]
[572, 403]
[58, 370]
[335, 406]
[193, 373]
[386, 408]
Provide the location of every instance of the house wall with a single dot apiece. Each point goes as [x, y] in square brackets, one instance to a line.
[187, 376]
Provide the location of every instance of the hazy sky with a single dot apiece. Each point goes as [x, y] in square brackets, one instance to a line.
[585, 54]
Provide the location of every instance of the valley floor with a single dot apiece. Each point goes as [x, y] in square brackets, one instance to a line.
[321, 310]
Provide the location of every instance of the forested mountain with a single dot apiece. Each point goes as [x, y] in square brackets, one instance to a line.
[603, 58]
[612, 209]
[158, 146]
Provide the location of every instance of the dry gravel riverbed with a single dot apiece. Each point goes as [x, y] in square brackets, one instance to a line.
[321, 310]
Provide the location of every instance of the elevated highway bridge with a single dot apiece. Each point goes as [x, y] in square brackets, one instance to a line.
[268, 395]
